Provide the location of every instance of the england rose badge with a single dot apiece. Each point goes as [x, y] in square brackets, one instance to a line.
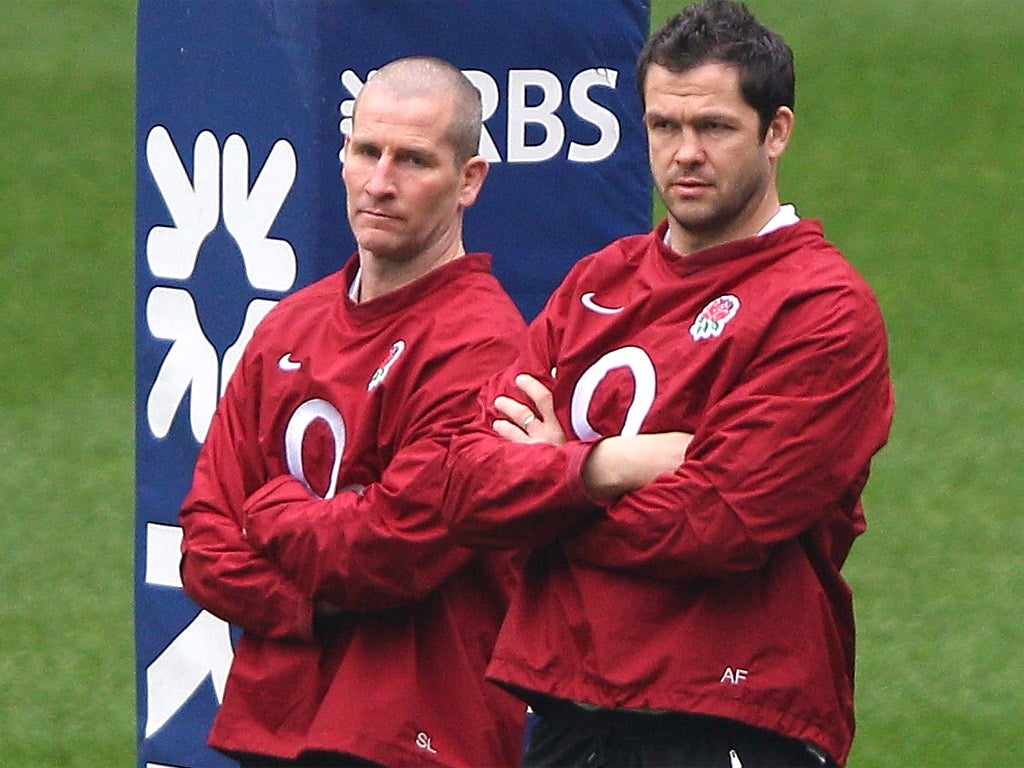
[714, 317]
[385, 365]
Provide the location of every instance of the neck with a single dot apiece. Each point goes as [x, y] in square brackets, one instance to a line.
[382, 276]
[684, 240]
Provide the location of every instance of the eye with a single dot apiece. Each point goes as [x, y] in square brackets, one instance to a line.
[365, 150]
[716, 126]
[417, 159]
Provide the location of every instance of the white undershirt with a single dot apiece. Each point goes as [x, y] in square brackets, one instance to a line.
[785, 216]
[353, 290]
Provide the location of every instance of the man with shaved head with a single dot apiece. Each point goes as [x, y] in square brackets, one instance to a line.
[313, 521]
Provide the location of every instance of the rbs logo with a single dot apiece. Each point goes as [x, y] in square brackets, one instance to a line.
[534, 96]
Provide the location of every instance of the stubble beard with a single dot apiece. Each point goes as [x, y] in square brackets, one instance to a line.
[716, 220]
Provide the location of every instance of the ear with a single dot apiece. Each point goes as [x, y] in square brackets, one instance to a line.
[779, 132]
[343, 154]
[474, 172]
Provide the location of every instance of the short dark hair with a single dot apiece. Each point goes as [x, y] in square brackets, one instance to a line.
[725, 32]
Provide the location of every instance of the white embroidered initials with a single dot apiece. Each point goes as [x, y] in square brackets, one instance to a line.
[423, 742]
[734, 676]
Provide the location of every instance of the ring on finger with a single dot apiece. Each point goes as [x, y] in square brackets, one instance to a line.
[528, 421]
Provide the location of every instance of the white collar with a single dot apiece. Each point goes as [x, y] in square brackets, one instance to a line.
[353, 290]
[785, 216]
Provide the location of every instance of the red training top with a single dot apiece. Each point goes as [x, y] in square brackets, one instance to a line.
[716, 589]
[321, 480]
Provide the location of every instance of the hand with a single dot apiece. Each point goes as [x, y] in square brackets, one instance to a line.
[523, 424]
[618, 465]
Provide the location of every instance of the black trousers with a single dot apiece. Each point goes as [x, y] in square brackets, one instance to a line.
[568, 736]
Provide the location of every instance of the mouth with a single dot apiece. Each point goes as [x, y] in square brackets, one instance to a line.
[374, 214]
[689, 187]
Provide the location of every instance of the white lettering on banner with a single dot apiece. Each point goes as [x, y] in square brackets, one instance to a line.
[525, 109]
[249, 213]
[490, 98]
[194, 205]
[163, 555]
[219, 185]
[520, 83]
[256, 311]
[640, 366]
[594, 113]
[202, 650]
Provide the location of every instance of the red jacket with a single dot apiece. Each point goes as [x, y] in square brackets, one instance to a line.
[716, 589]
[320, 481]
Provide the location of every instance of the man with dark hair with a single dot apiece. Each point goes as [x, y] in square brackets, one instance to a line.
[682, 446]
[313, 522]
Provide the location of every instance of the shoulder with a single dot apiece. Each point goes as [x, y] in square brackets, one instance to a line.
[817, 264]
[289, 321]
[609, 264]
[819, 288]
[473, 300]
[625, 249]
[479, 313]
[323, 293]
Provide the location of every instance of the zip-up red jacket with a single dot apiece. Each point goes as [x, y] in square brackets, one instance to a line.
[320, 482]
[716, 589]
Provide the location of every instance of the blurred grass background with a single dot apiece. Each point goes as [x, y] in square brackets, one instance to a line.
[66, 390]
[908, 147]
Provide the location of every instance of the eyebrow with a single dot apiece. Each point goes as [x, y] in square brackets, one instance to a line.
[715, 115]
[655, 115]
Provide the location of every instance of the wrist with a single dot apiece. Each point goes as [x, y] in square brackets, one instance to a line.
[604, 472]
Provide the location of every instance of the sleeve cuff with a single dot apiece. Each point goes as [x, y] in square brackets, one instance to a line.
[577, 452]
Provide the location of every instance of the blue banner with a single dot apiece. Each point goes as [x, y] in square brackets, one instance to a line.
[242, 107]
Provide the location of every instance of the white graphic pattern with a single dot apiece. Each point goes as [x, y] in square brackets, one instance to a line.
[202, 650]
[219, 185]
[219, 188]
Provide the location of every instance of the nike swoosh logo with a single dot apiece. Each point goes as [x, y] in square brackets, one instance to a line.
[587, 299]
[287, 364]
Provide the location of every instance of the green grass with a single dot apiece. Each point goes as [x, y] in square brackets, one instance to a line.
[66, 413]
[908, 147]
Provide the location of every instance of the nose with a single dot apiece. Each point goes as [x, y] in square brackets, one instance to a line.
[380, 181]
[690, 150]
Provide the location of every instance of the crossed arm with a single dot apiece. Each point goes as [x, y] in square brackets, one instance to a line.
[265, 554]
[616, 465]
[772, 461]
[785, 448]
